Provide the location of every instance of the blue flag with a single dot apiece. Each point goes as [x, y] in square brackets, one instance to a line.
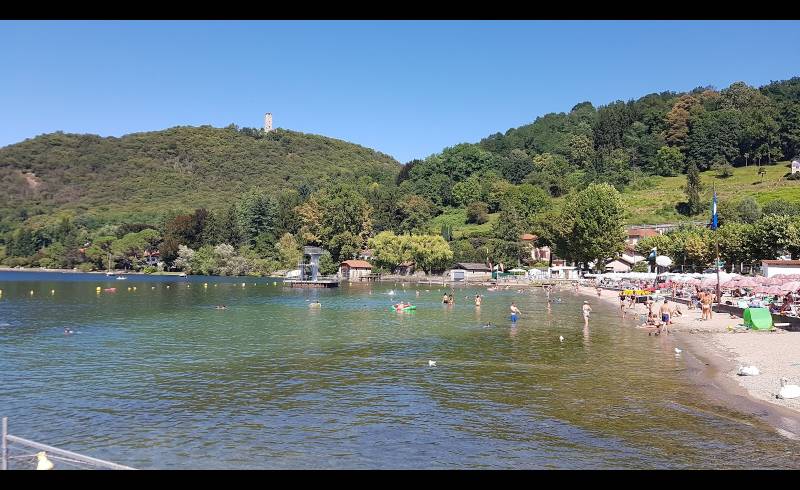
[714, 212]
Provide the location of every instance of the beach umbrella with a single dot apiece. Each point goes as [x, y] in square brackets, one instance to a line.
[774, 281]
[708, 282]
[790, 286]
[663, 261]
[762, 290]
[730, 283]
[774, 290]
[761, 279]
[748, 282]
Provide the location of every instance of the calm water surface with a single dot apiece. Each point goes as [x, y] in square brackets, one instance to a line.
[157, 378]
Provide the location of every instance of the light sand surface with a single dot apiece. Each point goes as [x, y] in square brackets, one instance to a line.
[776, 354]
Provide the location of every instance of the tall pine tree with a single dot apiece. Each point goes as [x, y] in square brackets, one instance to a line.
[693, 189]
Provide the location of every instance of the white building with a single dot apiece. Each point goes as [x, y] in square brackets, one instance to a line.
[795, 166]
[623, 263]
[770, 268]
[465, 271]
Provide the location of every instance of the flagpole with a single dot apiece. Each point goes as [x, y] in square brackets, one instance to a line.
[716, 243]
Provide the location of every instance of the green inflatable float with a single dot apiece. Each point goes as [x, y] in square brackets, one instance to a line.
[757, 318]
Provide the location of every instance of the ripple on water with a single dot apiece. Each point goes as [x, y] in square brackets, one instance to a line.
[158, 378]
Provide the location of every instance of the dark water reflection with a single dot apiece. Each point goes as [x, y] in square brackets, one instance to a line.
[156, 378]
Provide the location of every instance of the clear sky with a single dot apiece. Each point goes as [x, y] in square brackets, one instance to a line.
[406, 88]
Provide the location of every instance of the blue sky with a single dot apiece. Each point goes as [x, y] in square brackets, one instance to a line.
[407, 88]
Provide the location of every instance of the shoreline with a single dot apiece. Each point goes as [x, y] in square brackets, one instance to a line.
[72, 271]
[713, 354]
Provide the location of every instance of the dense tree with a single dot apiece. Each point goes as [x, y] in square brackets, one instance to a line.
[677, 120]
[477, 213]
[337, 218]
[668, 162]
[693, 188]
[591, 225]
[782, 207]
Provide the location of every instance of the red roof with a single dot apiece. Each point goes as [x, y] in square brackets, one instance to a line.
[642, 232]
[781, 262]
[528, 237]
[357, 264]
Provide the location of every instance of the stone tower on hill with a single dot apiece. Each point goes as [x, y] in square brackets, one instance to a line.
[268, 122]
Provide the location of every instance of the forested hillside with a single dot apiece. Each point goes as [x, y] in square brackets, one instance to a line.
[238, 201]
[145, 174]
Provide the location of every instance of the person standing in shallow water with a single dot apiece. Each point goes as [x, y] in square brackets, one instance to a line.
[478, 299]
[586, 310]
[515, 313]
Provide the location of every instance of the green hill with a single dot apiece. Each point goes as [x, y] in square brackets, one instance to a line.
[143, 174]
[654, 201]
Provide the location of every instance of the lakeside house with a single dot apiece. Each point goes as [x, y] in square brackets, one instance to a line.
[637, 233]
[465, 271]
[538, 254]
[354, 270]
[771, 268]
[623, 263]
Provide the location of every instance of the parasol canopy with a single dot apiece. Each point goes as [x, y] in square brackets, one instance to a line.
[790, 286]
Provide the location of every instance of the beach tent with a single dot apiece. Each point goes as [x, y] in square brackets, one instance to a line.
[757, 318]
[517, 271]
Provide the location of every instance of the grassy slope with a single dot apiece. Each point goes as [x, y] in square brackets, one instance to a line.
[457, 219]
[657, 204]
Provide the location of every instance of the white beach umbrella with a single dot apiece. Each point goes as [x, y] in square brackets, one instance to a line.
[663, 261]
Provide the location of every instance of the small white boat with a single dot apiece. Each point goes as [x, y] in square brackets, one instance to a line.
[121, 278]
[109, 273]
[182, 274]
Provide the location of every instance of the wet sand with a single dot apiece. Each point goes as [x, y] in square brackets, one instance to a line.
[714, 349]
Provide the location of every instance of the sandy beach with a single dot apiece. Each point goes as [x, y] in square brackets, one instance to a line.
[724, 348]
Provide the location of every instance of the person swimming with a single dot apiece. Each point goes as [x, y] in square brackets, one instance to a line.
[220, 307]
[68, 331]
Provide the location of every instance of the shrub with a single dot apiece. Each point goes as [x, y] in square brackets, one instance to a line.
[149, 269]
[794, 176]
[478, 213]
[85, 267]
[722, 167]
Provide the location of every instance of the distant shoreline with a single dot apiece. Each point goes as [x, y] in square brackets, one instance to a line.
[72, 271]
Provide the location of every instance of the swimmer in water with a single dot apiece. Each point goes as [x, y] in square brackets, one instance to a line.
[220, 307]
[478, 299]
[68, 331]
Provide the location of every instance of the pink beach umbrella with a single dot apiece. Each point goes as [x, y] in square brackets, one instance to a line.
[774, 290]
[761, 279]
[748, 282]
[709, 282]
[761, 290]
[790, 286]
[775, 281]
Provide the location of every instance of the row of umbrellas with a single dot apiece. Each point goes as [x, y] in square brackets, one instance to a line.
[758, 284]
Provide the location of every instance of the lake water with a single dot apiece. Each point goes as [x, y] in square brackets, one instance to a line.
[157, 378]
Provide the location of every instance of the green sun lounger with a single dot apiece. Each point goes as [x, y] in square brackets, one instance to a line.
[757, 318]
